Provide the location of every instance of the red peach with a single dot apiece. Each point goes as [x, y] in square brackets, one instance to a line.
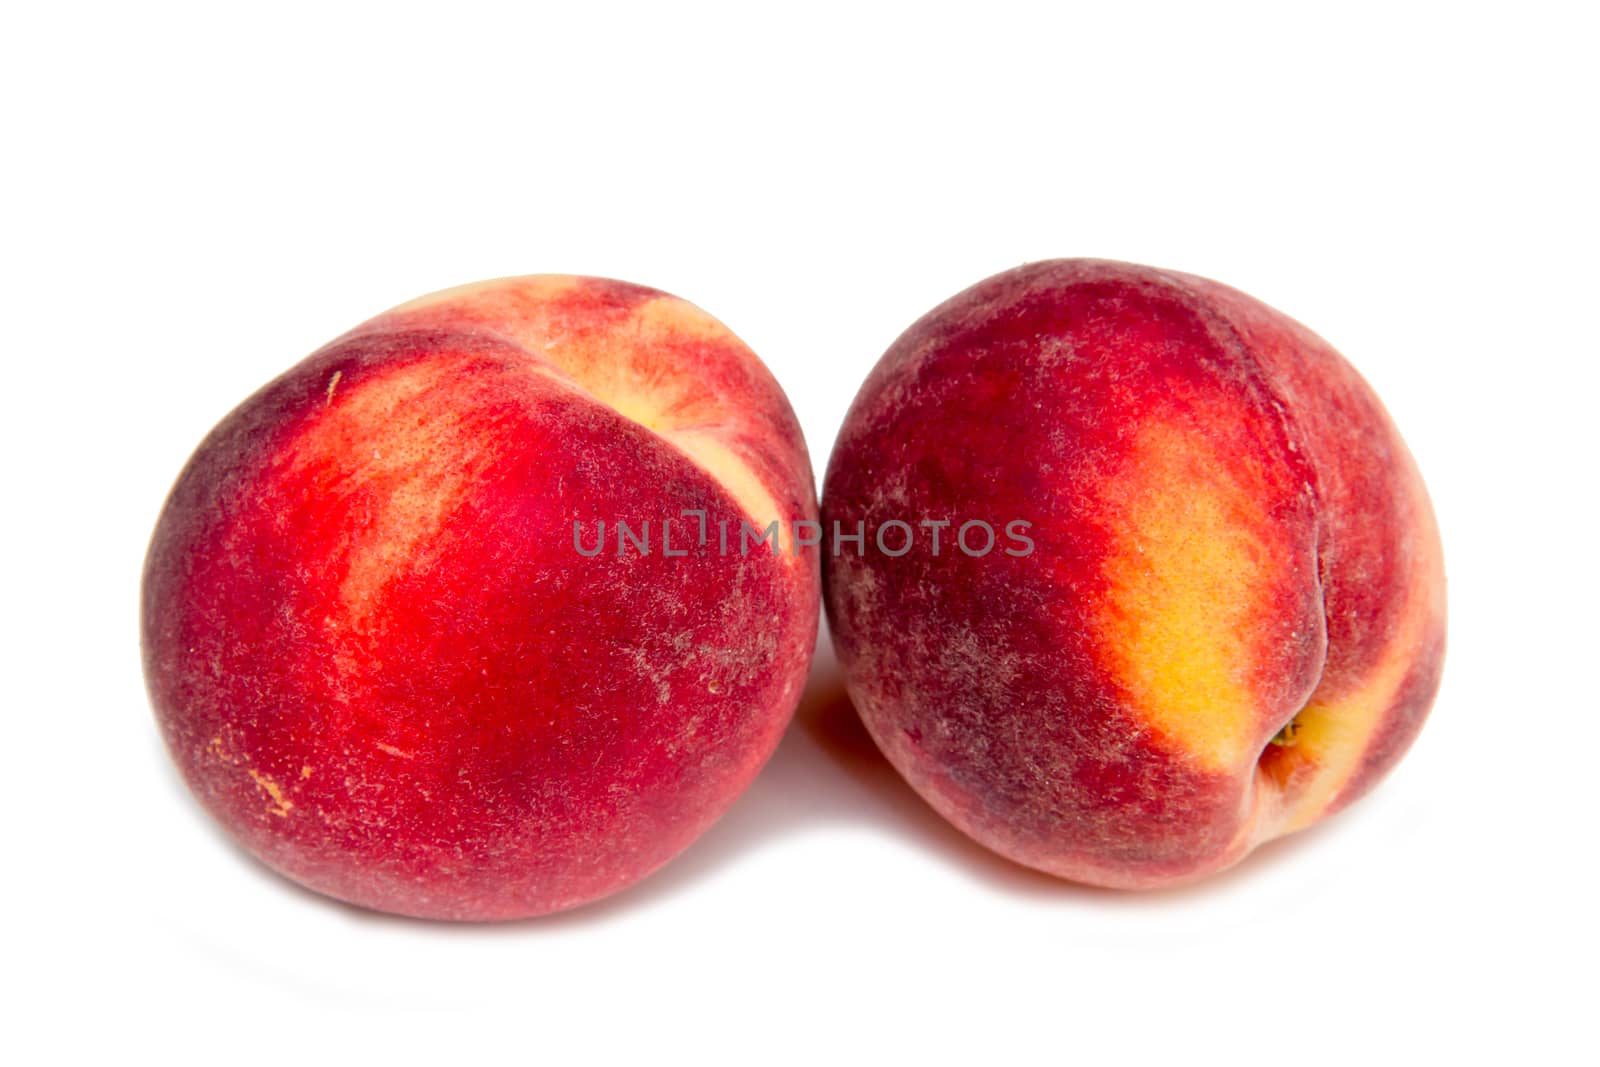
[376, 653]
[1231, 621]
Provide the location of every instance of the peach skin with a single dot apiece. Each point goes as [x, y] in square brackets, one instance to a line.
[1230, 622]
[379, 656]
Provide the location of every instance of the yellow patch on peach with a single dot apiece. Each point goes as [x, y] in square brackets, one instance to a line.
[626, 372]
[713, 456]
[281, 804]
[1188, 581]
[669, 314]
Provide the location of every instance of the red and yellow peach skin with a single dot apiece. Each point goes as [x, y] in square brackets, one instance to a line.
[1232, 623]
[375, 654]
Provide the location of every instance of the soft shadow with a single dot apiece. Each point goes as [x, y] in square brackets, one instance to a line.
[827, 769]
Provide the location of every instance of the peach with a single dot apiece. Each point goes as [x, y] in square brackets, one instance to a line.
[377, 654]
[1227, 621]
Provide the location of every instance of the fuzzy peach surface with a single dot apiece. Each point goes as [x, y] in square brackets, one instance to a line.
[375, 654]
[1233, 623]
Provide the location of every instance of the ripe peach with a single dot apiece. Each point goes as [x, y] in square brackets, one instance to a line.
[1230, 620]
[376, 654]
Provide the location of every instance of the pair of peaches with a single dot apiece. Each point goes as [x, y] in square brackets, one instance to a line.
[380, 659]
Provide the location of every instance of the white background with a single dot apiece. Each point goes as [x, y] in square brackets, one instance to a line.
[195, 197]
